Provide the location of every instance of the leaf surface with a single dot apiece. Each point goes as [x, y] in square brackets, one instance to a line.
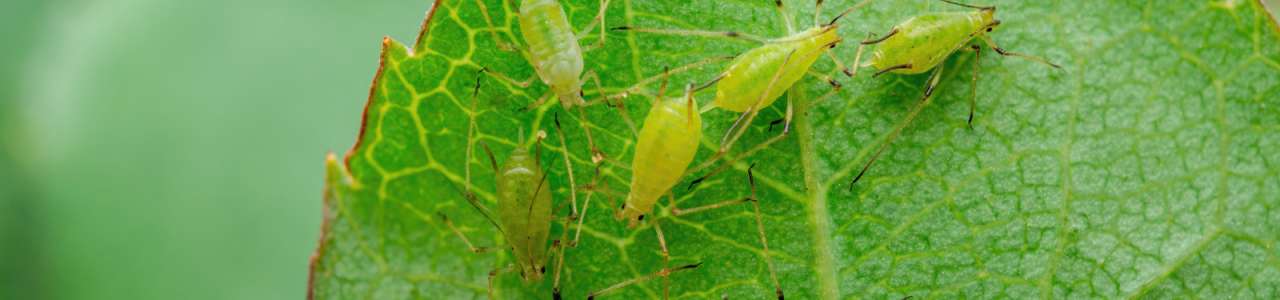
[1146, 168]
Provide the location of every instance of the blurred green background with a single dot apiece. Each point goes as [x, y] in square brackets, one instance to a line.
[162, 149]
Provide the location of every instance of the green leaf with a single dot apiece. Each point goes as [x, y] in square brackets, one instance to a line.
[1146, 168]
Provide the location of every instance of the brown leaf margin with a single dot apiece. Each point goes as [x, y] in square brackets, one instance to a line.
[1271, 8]
[332, 164]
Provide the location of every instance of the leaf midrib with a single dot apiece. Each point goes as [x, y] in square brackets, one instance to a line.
[819, 217]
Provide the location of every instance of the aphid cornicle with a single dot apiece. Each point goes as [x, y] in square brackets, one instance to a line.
[923, 43]
[667, 143]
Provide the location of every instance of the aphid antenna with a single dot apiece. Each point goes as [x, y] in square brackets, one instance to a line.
[528, 215]
[846, 12]
[475, 203]
[992, 7]
[493, 163]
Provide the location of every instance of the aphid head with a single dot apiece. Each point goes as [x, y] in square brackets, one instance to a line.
[992, 25]
[988, 15]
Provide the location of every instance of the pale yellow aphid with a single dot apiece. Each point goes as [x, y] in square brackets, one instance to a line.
[553, 48]
[667, 143]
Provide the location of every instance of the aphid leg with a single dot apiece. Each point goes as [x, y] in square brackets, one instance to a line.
[558, 248]
[494, 274]
[666, 255]
[638, 87]
[973, 85]
[786, 17]
[755, 202]
[764, 241]
[598, 186]
[840, 64]
[846, 12]
[568, 167]
[857, 58]
[676, 211]
[992, 43]
[621, 106]
[694, 32]
[597, 156]
[471, 132]
[512, 81]
[600, 20]
[577, 232]
[502, 44]
[934, 78]
[470, 247]
[470, 197]
[660, 273]
[541, 100]
[786, 129]
[739, 127]
[824, 77]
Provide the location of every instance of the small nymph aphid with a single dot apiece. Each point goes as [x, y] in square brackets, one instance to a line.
[923, 43]
[553, 51]
[667, 143]
[552, 48]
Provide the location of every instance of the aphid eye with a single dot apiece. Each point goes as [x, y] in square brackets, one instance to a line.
[542, 269]
[640, 218]
[988, 29]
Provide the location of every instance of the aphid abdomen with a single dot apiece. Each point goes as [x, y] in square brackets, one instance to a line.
[667, 143]
[524, 210]
[925, 41]
[750, 74]
[553, 48]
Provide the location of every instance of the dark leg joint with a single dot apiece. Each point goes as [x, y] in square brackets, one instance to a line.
[695, 183]
[776, 122]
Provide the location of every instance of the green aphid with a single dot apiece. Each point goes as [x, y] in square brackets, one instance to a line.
[923, 43]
